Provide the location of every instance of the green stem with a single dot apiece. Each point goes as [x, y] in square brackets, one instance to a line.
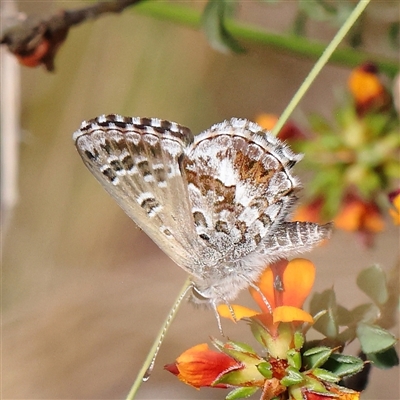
[148, 364]
[352, 18]
[296, 45]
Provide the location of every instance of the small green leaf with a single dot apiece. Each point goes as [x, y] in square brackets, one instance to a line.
[298, 340]
[264, 368]
[240, 346]
[314, 384]
[241, 393]
[368, 313]
[260, 333]
[384, 360]
[372, 281]
[373, 338]
[293, 376]
[294, 358]
[213, 22]
[327, 324]
[325, 375]
[343, 365]
[317, 356]
[347, 336]
[344, 316]
[239, 351]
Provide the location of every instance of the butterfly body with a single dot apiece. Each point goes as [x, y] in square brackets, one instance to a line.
[217, 203]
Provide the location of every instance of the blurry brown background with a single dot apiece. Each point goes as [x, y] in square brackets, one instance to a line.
[84, 291]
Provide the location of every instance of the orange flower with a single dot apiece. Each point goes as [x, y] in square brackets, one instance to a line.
[394, 198]
[285, 285]
[199, 366]
[284, 371]
[289, 131]
[357, 215]
[367, 89]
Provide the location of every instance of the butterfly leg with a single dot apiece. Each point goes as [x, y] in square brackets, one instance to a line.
[257, 289]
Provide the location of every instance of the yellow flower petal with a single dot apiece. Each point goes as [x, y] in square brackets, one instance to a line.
[290, 314]
[240, 312]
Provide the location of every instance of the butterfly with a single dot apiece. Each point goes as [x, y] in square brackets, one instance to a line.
[218, 204]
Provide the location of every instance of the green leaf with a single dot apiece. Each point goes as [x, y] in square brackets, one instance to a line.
[264, 368]
[294, 358]
[342, 365]
[231, 346]
[317, 356]
[298, 340]
[240, 346]
[384, 360]
[344, 316]
[325, 375]
[372, 281]
[213, 22]
[368, 313]
[241, 393]
[241, 377]
[327, 324]
[293, 376]
[373, 338]
[260, 333]
[347, 336]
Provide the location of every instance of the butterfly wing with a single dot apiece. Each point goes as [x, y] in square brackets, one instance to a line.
[137, 161]
[241, 190]
[239, 186]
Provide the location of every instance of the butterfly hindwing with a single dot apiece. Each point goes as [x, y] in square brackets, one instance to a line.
[239, 188]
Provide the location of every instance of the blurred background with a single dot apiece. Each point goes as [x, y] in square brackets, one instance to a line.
[84, 290]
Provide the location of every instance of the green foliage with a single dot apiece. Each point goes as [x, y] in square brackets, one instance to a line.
[325, 375]
[241, 393]
[264, 368]
[327, 323]
[385, 359]
[343, 365]
[374, 339]
[359, 323]
[372, 281]
[214, 26]
[293, 376]
[356, 154]
[316, 356]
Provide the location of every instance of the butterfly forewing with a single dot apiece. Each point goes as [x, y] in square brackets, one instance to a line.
[137, 162]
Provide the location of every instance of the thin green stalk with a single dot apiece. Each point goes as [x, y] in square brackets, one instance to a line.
[352, 18]
[296, 45]
[148, 364]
